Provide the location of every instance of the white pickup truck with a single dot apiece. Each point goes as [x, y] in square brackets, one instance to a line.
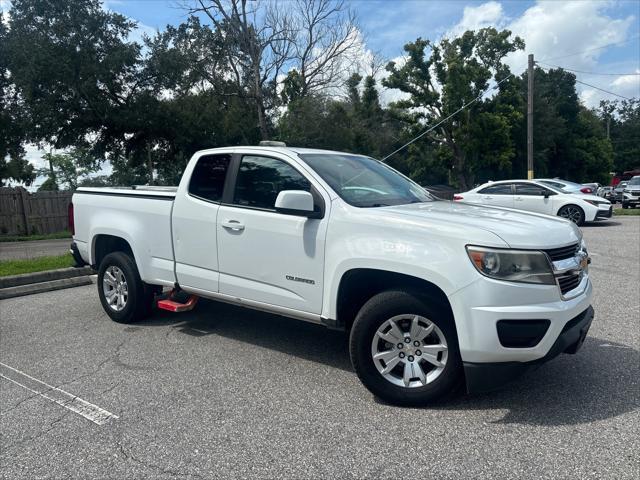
[434, 293]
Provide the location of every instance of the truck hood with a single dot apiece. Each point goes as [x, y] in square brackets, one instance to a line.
[516, 228]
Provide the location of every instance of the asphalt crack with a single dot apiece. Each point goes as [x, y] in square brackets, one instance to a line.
[165, 471]
[111, 358]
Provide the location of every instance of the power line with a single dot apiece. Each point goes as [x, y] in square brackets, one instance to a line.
[602, 89]
[593, 49]
[430, 129]
[589, 73]
[597, 88]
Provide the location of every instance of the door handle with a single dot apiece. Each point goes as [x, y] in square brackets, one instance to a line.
[519, 199]
[233, 225]
[487, 197]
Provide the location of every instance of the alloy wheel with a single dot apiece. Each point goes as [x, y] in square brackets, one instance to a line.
[115, 289]
[571, 213]
[409, 351]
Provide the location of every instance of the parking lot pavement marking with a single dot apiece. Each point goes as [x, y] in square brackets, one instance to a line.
[91, 412]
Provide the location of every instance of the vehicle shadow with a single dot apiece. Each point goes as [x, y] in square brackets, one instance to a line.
[293, 337]
[601, 223]
[600, 382]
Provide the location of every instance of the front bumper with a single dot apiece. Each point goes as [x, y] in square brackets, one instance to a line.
[605, 213]
[631, 199]
[483, 377]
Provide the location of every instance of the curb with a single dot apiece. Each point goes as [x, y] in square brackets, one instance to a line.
[46, 276]
[20, 290]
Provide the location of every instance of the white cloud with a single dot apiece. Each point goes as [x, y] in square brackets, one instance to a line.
[488, 14]
[559, 29]
[573, 34]
[627, 85]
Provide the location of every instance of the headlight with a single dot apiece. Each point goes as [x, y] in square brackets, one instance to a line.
[596, 203]
[512, 265]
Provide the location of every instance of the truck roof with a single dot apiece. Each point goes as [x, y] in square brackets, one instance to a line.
[297, 150]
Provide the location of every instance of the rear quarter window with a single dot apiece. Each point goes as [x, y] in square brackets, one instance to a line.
[208, 177]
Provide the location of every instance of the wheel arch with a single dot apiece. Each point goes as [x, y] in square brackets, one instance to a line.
[358, 285]
[103, 244]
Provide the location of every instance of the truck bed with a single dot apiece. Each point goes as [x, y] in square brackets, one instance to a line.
[135, 191]
[140, 215]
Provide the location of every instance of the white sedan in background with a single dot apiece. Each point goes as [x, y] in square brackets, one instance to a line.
[535, 196]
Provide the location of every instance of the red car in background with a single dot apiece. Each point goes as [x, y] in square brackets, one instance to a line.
[628, 175]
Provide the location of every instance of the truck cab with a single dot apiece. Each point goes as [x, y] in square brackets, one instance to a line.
[432, 292]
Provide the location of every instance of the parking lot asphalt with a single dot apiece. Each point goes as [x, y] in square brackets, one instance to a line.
[223, 392]
[33, 249]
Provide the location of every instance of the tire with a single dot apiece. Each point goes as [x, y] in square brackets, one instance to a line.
[625, 205]
[377, 313]
[136, 297]
[573, 213]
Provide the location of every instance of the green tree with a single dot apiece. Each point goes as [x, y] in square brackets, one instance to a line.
[625, 135]
[591, 149]
[452, 74]
[13, 134]
[74, 69]
[66, 170]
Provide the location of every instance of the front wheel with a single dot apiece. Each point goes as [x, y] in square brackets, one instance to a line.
[573, 213]
[124, 296]
[405, 350]
[625, 205]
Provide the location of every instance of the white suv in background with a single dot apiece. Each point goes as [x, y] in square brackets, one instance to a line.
[538, 197]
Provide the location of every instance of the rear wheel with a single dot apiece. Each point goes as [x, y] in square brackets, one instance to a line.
[405, 349]
[124, 296]
[573, 213]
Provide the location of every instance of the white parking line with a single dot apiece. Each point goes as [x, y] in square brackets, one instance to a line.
[67, 400]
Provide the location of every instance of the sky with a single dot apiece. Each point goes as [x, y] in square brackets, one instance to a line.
[599, 39]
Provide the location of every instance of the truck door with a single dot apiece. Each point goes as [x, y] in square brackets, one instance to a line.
[194, 220]
[267, 256]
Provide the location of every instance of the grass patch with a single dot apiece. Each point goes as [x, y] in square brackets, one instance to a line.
[40, 264]
[28, 238]
[626, 211]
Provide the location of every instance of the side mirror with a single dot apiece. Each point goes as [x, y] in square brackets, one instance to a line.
[546, 194]
[295, 202]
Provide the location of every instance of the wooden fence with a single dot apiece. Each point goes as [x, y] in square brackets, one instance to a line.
[24, 213]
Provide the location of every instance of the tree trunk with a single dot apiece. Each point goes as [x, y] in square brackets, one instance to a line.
[257, 93]
[262, 121]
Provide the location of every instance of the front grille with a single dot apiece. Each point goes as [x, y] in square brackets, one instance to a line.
[562, 253]
[569, 282]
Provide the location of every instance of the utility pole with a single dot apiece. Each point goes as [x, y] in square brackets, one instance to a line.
[530, 118]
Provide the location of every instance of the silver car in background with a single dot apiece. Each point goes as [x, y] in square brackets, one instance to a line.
[566, 186]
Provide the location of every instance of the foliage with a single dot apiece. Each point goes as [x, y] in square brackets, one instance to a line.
[440, 78]
[67, 169]
[624, 120]
[72, 78]
[13, 165]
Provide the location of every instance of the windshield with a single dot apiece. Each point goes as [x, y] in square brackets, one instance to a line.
[365, 182]
[634, 181]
